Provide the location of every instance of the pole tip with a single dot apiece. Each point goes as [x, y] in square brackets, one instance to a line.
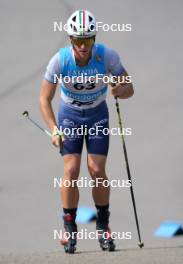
[141, 244]
[25, 113]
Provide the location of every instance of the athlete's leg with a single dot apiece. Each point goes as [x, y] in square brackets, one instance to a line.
[70, 198]
[69, 121]
[97, 147]
[70, 194]
[96, 167]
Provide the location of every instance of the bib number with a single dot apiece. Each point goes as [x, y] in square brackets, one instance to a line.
[86, 86]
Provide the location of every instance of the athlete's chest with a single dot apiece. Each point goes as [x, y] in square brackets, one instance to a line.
[91, 69]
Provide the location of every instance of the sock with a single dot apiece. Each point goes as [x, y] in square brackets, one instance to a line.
[71, 211]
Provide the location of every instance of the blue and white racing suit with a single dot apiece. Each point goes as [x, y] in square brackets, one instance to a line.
[83, 112]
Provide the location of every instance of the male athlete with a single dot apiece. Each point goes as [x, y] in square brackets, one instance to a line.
[83, 103]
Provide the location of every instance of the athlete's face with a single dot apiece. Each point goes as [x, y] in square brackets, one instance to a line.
[82, 48]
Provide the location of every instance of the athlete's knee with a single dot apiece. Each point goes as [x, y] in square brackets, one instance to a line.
[96, 171]
[71, 172]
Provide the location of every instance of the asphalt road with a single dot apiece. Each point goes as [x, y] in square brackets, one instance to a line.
[144, 256]
[152, 54]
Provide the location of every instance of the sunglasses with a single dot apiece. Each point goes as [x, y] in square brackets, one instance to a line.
[88, 42]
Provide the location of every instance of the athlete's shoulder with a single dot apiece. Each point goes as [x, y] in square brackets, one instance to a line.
[53, 68]
[111, 52]
[113, 61]
[55, 65]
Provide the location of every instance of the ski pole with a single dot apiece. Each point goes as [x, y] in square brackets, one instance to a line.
[140, 244]
[26, 114]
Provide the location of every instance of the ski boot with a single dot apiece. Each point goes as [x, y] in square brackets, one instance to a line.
[69, 239]
[104, 233]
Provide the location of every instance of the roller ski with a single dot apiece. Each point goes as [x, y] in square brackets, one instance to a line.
[106, 242]
[69, 239]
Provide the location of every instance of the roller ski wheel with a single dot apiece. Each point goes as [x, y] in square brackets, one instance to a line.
[70, 247]
[105, 241]
[69, 240]
[104, 233]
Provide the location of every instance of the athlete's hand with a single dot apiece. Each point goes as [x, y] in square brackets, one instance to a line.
[123, 91]
[117, 90]
[56, 140]
[56, 137]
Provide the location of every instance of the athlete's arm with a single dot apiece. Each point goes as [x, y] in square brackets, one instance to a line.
[46, 95]
[47, 92]
[122, 89]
